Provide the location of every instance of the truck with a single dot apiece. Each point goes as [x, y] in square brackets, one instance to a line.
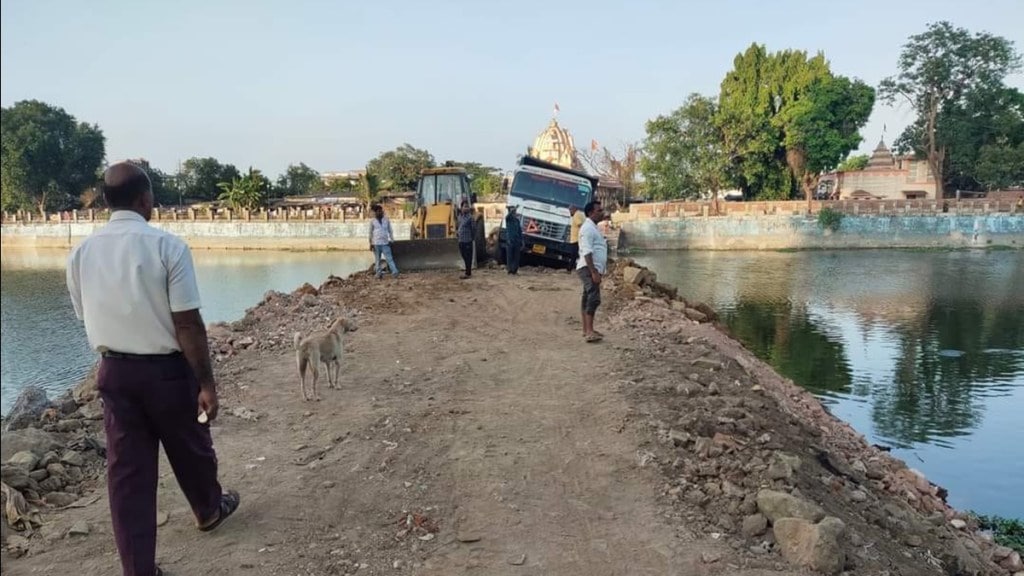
[542, 193]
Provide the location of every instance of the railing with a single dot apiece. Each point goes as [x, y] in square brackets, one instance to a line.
[208, 214]
[797, 207]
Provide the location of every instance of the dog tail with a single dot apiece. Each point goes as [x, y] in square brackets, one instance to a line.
[296, 339]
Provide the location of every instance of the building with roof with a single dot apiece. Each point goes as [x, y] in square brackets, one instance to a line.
[888, 177]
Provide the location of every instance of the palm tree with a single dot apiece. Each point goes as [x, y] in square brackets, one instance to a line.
[246, 192]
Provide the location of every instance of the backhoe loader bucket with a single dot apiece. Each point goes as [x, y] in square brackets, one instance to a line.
[427, 254]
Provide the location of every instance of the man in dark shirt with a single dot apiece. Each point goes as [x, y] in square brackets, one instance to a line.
[513, 241]
[466, 232]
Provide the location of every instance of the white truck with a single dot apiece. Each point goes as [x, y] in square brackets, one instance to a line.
[542, 193]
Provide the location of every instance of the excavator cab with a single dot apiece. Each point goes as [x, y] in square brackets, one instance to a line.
[433, 242]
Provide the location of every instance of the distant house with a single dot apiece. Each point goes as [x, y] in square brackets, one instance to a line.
[887, 177]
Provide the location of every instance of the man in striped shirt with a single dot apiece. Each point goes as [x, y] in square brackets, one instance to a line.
[466, 232]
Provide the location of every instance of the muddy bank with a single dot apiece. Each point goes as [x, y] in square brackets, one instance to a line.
[475, 430]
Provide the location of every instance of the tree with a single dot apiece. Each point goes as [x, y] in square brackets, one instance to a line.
[200, 178]
[941, 70]
[485, 181]
[369, 187]
[786, 118]
[623, 168]
[853, 163]
[247, 192]
[685, 154]
[47, 157]
[399, 169]
[298, 180]
[1001, 166]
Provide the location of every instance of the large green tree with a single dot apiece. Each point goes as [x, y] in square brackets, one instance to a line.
[200, 178]
[684, 154]
[165, 191]
[399, 169]
[484, 180]
[785, 118]
[298, 180]
[952, 79]
[47, 157]
[853, 163]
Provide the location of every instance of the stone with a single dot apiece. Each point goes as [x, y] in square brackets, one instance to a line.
[27, 409]
[309, 300]
[56, 469]
[92, 410]
[72, 458]
[86, 390]
[162, 517]
[79, 528]
[858, 467]
[777, 505]
[638, 276]
[754, 525]
[814, 546]
[34, 440]
[1012, 562]
[913, 540]
[38, 475]
[307, 288]
[783, 466]
[69, 425]
[695, 315]
[74, 474]
[958, 523]
[710, 557]
[15, 476]
[25, 460]
[858, 496]
[49, 458]
[52, 484]
[60, 499]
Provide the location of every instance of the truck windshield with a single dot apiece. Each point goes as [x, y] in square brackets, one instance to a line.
[441, 188]
[549, 190]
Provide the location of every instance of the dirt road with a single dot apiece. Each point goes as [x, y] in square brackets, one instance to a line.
[474, 432]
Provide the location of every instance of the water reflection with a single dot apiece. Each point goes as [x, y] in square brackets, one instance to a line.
[923, 351]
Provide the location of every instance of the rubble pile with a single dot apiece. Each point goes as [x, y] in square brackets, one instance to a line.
[750, 456]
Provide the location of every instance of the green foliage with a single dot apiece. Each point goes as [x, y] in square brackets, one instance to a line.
[484, 180]
[829, 219]
[785, 118]
[369, 187]
[953, 79]
[247, 192]
[1008, 532]
[298, 180]
[201, 178]
[399, 169]
[47, 157]
[1000, 166]
[165, 191]
[854, 163]
[684, 153]
[340, 185]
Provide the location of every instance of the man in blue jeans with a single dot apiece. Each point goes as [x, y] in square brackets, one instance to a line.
[381, 237]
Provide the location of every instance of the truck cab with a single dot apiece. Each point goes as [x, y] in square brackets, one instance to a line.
[542, 193]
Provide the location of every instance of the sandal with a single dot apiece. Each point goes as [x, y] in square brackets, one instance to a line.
[593, 338]
[229, 502]
[598, 334]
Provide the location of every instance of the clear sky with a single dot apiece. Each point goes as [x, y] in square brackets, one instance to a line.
[334, 83]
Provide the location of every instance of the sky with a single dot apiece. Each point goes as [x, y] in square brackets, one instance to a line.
[334, 83]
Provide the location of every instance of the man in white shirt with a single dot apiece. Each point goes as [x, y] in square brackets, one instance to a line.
[381, 237]
[135, 288]
[591, 267]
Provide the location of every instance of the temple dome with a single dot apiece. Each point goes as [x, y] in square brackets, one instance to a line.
[555, 145]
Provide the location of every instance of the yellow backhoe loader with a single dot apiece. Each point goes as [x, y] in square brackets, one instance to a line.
[433, 244]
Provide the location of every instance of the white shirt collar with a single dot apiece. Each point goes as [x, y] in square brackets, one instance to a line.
[126, 215]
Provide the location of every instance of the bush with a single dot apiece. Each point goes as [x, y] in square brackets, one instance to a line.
[1008, 532]
[830, 219]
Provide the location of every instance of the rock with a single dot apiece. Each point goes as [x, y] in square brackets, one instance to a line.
[913, 540]
[15, 476]
[162, 517]
[710, 557]
[776, 505]
[517, 560]
[307, 288]
[695, 315]
[1012, 562]
[814, 546]
[679, 437]
[25, 460]
[713, 389]
[69, 425]
[86, 390]
[60, 499]
[49, 458]
[858, 467]
[638, 276]
[52, 484]
[72, 458]
[92, 410]
[245, 342]
[783, 466]
[29, 406]
[56, 469]
[74, 474]
[858, 496]
[309, 300]
[754, 525]
[33, 440]
[79, 528]
[38, 475]
[958, 523]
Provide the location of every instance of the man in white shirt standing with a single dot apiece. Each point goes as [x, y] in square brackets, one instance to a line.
[135, 288]
[591, 267]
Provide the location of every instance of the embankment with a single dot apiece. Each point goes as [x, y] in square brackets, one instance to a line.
[780, 232]
[456, 443]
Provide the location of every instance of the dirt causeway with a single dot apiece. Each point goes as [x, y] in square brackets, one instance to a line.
[475, 432]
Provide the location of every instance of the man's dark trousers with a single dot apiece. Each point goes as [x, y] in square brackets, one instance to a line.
[147, 401]
[513, 251]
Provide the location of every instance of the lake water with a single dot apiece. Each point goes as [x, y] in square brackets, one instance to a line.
[920, 351]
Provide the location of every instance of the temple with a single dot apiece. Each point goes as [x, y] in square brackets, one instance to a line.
[888, 177]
